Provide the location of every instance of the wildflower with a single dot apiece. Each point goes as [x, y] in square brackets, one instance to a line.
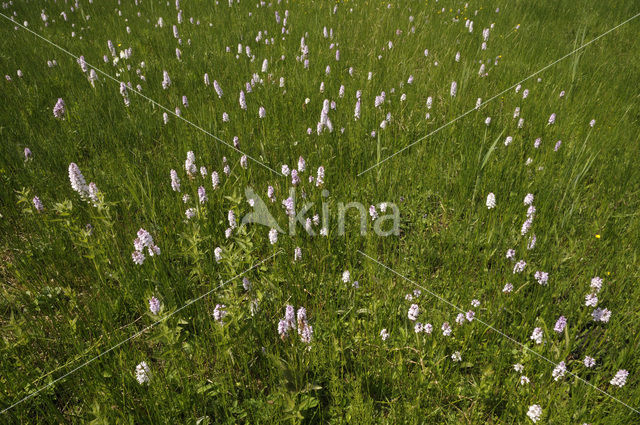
[289, 206]
[446, 329]
[175, 181]
[460, 319]
[470, 315]
[552, 119]
[592, 123]
[372, 212]
[297, 254]
[356, 112]
[143, 373]
[511, 254]
[528, 199]
[219, 312]
[413, 312]
[534, 413]
[246, 284]
[532, 242]
[215, 180]
[304, 329]
[305, 332]
[454, 89]
[384, 334]
[242, 100]
[541, 277]
[59, 109]
[427, 328]
[620, 379]
[591, 300]
[346, 276]
[508, 140]
[166, 81]
[273, 236]
[218, 254]
[320, 177]
[557, 146]
[271, 193]
[283, 327]
[526, 226]
[93, 193]
[519, 266]
[202, 195]
[524, 380]
[536, 143]
[456, 357]
[190, 213]
[190, 164]
[531, 212]
[37, 204]
[589, 361]
[154, 305]
[561, 323]
[507, 288]
[518, 367]
[487, 121]
[596, 283]
[231, 218]
[559, 371]
[138, 257]
[491, 200]
[537, 335]
[516, 112]
[601, 315]
[77, 180]
[27, 154]
[144, 240]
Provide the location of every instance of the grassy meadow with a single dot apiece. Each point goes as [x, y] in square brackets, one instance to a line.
[132, 291]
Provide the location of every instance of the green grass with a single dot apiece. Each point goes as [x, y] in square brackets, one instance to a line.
[68, 295]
